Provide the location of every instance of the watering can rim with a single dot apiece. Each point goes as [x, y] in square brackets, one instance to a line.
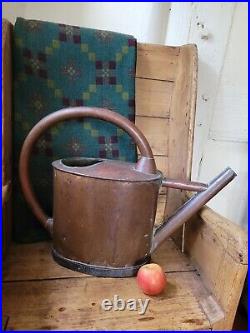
[105, 169]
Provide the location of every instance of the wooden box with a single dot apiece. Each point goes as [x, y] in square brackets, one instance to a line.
[206, 262]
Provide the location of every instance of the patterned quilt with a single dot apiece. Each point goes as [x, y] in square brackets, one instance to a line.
[56, 66]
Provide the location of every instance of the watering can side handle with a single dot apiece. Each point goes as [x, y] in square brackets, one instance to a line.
[193, 205]
[184, 185]
[145, 164]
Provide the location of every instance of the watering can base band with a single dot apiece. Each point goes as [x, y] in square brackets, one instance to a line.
[100, 271]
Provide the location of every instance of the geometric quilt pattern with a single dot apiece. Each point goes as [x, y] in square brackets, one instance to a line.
[57, 66]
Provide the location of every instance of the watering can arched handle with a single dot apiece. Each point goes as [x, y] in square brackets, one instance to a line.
[145, 164]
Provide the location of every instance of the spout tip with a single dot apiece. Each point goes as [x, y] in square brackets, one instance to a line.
[231, 171]
[225, 177]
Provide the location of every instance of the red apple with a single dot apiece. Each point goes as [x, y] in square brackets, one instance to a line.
[151, 279]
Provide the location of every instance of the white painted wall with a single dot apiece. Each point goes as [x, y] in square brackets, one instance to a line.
[220, 32]
[146, 21]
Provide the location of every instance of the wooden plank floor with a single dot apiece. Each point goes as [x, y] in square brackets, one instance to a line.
[39, 294]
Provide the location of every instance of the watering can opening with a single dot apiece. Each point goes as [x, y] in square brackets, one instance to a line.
[80, 161]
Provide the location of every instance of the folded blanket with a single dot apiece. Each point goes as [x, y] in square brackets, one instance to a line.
[56, 66]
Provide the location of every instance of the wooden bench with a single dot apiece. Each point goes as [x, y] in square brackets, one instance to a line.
[205, 262]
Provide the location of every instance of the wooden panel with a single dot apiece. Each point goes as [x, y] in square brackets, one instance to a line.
[157, 62]
[162, 164]
[34, 262]
[169, 257]
[219, 249]
[155, 130]
[153, 98]
[160, 209]
[182, 113]
[75, 304]
[205, 298]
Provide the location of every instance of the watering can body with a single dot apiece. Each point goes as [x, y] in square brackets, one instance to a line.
[103, 215]
[104, 210]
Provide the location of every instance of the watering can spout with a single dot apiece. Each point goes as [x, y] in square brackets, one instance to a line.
[192, 206]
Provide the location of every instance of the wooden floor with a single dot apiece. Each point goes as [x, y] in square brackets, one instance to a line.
[39, 294]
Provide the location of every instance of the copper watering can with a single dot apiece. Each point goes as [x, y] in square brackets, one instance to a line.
[104, 210]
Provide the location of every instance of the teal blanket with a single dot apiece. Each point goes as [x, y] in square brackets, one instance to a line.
[56, 66]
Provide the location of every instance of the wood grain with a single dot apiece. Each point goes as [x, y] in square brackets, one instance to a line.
[157, 62]
[160, 209]
[182, 114]
[39, 294]
[218, 248]
[162, 163]
[75, 304]
[153, 98]
[153, 129]
[34, 262]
